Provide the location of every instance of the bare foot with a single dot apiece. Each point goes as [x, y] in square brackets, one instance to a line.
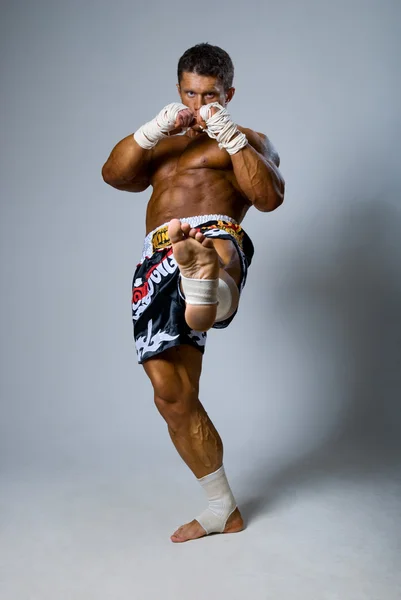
[196, 258]
[194, 530]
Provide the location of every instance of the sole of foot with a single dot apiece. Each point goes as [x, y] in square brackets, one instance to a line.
[194, 530]
[197, 259]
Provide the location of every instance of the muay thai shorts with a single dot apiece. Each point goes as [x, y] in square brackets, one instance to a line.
[158, 306]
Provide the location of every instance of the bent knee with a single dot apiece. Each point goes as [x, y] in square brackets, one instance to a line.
[174, 397]
[176, 411]
[175, 377]
[172, 390]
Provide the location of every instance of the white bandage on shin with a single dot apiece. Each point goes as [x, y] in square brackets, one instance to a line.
[221, 502]
[200, 291]
[220, 127]
[149, 134]
[222, 291]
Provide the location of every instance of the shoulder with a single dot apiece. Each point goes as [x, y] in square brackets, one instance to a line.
[262, 144]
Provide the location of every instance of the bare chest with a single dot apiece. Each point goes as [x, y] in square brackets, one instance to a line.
[180, 154]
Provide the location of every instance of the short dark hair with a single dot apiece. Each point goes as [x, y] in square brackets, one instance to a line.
[205, 59]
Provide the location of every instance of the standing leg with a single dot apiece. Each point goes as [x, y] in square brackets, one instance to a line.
[175, 377]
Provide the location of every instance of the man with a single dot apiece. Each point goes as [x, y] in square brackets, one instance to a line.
[206, 173]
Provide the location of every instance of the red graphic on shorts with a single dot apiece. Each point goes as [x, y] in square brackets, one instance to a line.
[140, 292]
[163, 257]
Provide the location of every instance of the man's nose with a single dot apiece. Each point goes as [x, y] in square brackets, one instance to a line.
[199, 101]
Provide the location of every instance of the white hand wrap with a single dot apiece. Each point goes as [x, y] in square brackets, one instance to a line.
[152, 132]
[221, 128]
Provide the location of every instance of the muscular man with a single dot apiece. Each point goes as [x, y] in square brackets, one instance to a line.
[206, 172]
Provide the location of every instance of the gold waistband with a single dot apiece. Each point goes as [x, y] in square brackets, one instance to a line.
[159, 238]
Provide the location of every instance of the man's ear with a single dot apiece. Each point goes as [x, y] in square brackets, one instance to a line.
[177, 85]
[229, 94]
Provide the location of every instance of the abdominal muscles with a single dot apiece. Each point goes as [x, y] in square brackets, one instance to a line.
[194, 192]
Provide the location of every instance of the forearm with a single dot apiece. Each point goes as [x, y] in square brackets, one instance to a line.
[259, 179]
[256, 172]
[127, 162]
[127, 167]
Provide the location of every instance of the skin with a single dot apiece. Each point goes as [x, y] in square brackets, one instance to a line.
[191, 175]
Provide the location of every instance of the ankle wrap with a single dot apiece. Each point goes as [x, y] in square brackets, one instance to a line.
[221, 502]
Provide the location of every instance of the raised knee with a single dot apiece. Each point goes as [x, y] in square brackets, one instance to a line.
[228, 296]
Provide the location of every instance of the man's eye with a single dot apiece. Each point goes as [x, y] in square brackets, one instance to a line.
[211, 95]
[190, 94]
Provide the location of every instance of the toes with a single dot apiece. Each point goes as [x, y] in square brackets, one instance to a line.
[199, 237]
[177, 537]
[207, 243]
[178, 231]
[191, 531]
[193, 232]
[175, 231]
[186, 228]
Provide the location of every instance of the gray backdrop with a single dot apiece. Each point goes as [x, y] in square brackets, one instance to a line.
[307, 379]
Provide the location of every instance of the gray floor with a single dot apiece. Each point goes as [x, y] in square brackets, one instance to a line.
[317, 530]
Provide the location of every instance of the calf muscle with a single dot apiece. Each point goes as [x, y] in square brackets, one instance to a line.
[175, 378]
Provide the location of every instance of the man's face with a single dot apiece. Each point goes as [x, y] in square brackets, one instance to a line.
[197, 90]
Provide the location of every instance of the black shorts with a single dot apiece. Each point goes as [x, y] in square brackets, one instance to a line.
[158, 307]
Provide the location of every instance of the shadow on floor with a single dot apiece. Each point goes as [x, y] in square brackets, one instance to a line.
[359, 291]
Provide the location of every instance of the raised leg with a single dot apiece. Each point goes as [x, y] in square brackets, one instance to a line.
[201, 258]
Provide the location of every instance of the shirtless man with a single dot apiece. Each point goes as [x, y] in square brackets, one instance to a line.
[206, 173]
